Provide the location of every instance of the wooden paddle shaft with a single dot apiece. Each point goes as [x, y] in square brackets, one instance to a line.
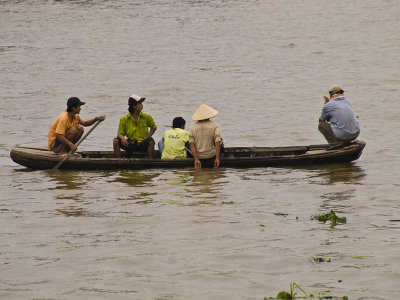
[77, 144]
[85, 136]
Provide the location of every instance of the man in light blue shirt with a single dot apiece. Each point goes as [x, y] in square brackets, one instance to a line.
[337, 122]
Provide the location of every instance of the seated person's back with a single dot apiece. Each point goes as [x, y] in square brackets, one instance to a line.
[175, 140]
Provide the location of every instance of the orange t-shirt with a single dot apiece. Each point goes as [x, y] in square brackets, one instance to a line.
[60, 126]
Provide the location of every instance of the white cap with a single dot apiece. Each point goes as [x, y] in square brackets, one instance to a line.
[133, 99]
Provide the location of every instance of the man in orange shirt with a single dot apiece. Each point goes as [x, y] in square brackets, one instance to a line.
[66, 130]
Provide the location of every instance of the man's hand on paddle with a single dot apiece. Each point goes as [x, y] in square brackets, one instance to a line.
[73, 147]
[100, 118]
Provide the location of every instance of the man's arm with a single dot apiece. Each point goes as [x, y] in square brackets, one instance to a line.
[124, 141]
[326, 101]
[197, 163]
[92, 121]
[217, 153]
[151, 132]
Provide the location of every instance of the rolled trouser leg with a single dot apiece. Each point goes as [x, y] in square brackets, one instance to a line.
[326, 129]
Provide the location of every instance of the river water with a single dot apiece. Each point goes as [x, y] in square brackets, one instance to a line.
[200, 234]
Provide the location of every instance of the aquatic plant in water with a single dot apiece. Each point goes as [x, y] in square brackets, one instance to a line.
[330, 216]
[320, 259]
[228, 202]
[292, 292]
[294, 288]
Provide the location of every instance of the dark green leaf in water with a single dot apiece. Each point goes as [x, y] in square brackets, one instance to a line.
[280, 214]
[228, 202]
[284, 295]
[332, 217]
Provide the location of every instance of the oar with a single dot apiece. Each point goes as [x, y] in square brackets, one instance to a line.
[77, 144]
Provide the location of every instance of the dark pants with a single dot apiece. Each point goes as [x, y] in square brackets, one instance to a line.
[57, 146]
[207, 162]
[135, 147]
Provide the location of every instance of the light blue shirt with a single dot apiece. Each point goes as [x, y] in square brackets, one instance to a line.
[339, 113]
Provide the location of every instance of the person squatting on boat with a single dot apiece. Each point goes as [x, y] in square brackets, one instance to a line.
[337, 121]
[204, 138]
[66, 130]
[135, 127]
[175, 142]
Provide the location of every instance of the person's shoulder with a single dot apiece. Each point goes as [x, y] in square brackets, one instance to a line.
[181, 130]
[338, 101]
[146, 115]
[63, 116]
[196, 125]
[212, 123]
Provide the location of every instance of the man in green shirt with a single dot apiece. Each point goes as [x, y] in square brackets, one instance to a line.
[175, 141]
[133, 130]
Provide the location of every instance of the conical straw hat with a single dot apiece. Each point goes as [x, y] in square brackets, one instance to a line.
[204, 112]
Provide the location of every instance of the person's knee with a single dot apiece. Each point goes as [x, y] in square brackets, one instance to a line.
[322, 127]
[80, 129]
[116, 142]
[75, 131]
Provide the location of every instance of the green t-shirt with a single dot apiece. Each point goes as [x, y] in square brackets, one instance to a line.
[136, 131]
[174, 143]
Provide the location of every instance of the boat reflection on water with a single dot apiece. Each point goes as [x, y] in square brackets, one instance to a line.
[336, 173]
[193, 187]
[70, 204]
[206, 185]
[179, 177]
[137, 178]
[66, 180]
[345, 176]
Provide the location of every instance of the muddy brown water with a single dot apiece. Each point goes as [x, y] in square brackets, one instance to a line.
[200, 234]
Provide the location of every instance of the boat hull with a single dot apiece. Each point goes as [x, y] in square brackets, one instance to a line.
[235, 157]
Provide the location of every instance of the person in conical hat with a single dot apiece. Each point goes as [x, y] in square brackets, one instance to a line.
[204, 112]
[204, 138]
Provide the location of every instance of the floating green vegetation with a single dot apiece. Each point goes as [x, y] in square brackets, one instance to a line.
[320, 259]
[228, 202]
[295, 288]
[280, 214]
[330, 216]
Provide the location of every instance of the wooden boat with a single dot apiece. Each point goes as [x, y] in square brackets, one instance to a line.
[236, 157]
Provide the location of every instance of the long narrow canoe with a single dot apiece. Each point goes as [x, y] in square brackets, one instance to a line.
[234, 157]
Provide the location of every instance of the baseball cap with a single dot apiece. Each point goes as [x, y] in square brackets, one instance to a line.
[74, 102]
[135, 99]
[335, 89]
